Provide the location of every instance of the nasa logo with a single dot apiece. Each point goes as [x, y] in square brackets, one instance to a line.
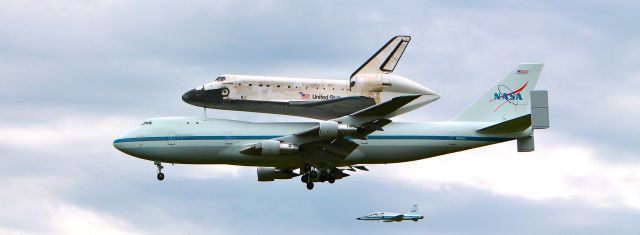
[505, 93]
[508, 95]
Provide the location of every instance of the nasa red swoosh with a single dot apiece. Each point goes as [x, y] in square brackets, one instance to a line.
[520, 89]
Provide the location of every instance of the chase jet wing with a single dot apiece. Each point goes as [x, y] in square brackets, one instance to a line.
[397, 217]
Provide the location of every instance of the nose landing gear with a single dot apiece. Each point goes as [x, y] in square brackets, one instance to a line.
[160, 174]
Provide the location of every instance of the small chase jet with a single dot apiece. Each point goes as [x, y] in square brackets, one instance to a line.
[393, 217]
[373, 83]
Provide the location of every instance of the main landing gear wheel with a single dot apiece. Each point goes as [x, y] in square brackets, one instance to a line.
[160, 174]
[309, 185]
[331, 180]
[332, 177]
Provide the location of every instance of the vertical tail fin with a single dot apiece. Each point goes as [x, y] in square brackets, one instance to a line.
[414, 209]
[506, 100]
[384, 60]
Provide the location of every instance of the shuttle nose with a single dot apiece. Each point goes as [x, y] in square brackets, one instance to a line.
[189, 96]
[204, 98]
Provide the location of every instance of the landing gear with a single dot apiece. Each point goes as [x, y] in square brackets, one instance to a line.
[160, 174]
[331, 180]
[323, 174]
[306, 168]
[313, 174]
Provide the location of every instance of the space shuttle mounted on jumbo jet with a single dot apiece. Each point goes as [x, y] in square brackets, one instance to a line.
[323, 99]
[324, 151]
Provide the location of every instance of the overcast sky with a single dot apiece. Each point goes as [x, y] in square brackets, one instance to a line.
[77, 74]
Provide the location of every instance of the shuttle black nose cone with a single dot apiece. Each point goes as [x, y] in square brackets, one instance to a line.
[188, 96]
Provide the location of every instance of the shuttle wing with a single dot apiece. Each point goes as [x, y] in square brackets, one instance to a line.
[317, 109]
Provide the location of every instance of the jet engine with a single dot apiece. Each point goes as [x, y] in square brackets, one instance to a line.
[331, 129]
[275, 148]
[271, 173]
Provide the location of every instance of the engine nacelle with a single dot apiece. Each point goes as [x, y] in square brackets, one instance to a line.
[331, 129]
[275, 148]
[271, 173]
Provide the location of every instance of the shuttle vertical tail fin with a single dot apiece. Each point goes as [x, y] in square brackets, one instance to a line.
[506, 100]
[385, 59]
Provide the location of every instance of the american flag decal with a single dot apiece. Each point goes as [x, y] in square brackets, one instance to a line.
[522, 71]
[304, 96]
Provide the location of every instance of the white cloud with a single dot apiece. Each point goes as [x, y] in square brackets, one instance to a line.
[556, 170]
[33, 207]
[69, 219]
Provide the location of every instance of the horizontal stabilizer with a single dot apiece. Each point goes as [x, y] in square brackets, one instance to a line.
[514, 125]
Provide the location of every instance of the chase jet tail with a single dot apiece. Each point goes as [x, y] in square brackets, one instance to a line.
[506, 100]
[414, 209]
[385, 59]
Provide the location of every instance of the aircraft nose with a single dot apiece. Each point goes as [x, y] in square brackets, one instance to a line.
[204, 98]
[119, 145]
[188, 96]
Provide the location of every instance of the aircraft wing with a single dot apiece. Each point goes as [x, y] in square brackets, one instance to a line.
[397, 217]
[317, 109]
[332, 139]
[358, 125]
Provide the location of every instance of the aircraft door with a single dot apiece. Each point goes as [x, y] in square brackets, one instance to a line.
[229, 139]
[171, 140]
[452, 139]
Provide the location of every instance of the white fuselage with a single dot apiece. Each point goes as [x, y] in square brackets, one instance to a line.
[218, 141]
[267, 94]
[391, 217]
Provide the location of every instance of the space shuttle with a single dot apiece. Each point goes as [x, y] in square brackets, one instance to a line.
[371, 84]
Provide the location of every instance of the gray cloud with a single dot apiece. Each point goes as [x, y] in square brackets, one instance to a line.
[85, 62]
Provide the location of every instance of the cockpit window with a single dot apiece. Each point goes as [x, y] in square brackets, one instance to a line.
[220, 79]
[146, 123]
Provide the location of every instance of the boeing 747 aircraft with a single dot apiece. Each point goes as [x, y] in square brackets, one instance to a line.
[326, 150]
[394, 217]
[323, 99]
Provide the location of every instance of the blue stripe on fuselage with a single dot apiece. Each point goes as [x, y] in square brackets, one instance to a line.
[265, 137]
